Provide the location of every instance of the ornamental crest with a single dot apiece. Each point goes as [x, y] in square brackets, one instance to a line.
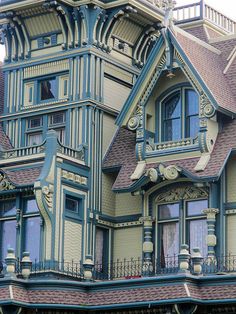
[5, 184]
[185, 193]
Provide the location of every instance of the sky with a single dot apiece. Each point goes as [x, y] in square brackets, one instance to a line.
[227, 7]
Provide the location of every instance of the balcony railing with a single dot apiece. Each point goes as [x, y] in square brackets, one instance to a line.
[125, 269]
[200, 11]
[23, 151]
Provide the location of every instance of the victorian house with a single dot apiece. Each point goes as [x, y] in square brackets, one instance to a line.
[117, 157]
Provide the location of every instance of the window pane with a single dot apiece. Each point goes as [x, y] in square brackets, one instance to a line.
[170, 239]
[99, 245]
[192, 126]
[61, 135]
[32, 237]
[172, 130]
[48, 89]
[8, 236]
[169, 211]
[72, 205]
[35, 122]
[31, 206]
[35, 139]
[195, 208]
[198, 234]
[8, 208]
[57, 118]
[192, 102]
[173, 107]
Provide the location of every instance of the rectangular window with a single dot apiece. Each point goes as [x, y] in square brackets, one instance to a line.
[31, 206]
[8, 208]
[74, 207]
[35, 122]
[48, 89]
[32, 237]
[8, 233]
[61, 135]
[35, 139]
[57, 118]
[168, 211]
[169, 243]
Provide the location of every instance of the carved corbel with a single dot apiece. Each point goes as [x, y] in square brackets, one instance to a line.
[5, 184]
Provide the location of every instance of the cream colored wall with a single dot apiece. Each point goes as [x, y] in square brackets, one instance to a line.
[115, 94]
[72, 241]
[126, 204]
[231, 180]
[127, 243]
[108, 197]
[109, 129]
[163, 84]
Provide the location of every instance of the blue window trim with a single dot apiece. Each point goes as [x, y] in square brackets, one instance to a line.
[159, 134]
[79, 217]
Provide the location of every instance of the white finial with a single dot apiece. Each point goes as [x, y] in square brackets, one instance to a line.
[168, 4]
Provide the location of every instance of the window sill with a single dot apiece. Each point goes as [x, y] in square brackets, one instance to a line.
[183, 145]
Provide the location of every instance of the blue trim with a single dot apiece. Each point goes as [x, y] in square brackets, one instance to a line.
[148, 66]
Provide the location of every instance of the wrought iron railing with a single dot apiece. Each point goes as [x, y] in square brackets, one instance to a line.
[135, 268]
[124, 269]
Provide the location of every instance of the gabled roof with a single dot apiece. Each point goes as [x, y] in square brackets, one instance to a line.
[206, 63]
[121, 154]
[208, 66]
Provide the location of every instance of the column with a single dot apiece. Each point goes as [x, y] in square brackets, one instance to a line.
[211, 237]
[147, 243]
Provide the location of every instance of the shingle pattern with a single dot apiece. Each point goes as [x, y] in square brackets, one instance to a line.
[100, 297]
[122, 153]
[23, 176]
[210, 67]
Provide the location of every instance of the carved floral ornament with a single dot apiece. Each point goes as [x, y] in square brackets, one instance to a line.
[5, 184]
[184, 192]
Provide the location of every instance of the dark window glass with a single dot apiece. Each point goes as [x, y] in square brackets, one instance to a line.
[172, 118]
[57, 118]
[48, 89]
[72, 204]
[8, 233]
[192, 109]
[8, 208]
[168, 211]
[35, 122]
[32, 237]
[31, 206]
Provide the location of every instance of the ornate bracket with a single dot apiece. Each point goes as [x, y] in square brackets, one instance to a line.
[5, 184]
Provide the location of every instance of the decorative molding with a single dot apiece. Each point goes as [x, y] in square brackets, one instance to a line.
[171, 172]
[74, 177]
[185, 193]
[47, 192]
[120, 224]
[46, 68]
[5, 184]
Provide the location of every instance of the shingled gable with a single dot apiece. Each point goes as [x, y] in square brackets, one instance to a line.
[204, 61]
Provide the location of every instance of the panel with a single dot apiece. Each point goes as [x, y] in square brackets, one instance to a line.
[72, 241]
[115, 94]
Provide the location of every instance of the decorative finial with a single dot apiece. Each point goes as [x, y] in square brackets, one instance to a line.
[168, 4]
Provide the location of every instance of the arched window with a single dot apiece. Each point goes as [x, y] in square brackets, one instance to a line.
[179, 115]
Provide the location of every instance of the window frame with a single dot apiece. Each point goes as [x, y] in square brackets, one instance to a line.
[79, 216]
[183, 220]
[160, 113]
